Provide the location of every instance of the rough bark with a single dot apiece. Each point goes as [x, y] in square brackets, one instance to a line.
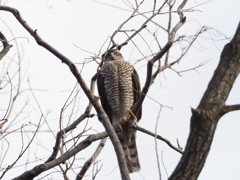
[212, 107]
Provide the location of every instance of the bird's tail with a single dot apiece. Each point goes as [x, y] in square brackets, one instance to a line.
[131, 155]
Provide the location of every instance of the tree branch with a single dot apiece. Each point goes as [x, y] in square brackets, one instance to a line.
[158, 137]
[230, 108]
[101, 114]
[6, 46]
[73, 125]
[30, 174]
[65, 130]
[89, 162]
[150, 78]
[144, 25]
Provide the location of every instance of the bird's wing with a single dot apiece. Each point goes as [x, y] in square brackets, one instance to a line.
[136, 91]
[103, 99]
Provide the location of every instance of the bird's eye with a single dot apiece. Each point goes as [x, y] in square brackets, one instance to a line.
[116, 53]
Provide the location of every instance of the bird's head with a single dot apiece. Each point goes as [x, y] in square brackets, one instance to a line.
[112, 54]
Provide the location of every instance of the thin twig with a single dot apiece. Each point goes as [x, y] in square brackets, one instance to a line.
[158, 137]
[149, 77]
[23, 150]
[101, 114]
[91, 160]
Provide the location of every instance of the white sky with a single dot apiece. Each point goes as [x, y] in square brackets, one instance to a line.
[68, 25]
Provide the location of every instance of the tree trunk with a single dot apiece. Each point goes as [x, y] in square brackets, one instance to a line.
[211, 108]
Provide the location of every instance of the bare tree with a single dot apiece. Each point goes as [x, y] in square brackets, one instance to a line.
[204, 118]
[211, 108]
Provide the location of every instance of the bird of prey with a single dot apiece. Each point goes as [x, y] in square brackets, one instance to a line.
[119, 89]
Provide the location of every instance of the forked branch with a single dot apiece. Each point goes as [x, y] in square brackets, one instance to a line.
[6, 46]
[91, 160]
[150, 76]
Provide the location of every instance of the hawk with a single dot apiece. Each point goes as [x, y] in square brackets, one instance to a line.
[119, 89]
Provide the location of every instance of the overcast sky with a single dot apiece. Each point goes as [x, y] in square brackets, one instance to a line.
[75, 27]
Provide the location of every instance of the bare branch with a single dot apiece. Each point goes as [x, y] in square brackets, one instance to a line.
[150, 78]
[30, 174]
[6, 46]
[9, 104]
[73, 125]
[101, 114]
[65, 130]
[91, 160]
[230, 108]
[158, 137]
[144, 25]
[128, 19]
[23, 150]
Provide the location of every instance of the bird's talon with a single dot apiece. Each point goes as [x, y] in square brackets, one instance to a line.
[120, 127]
[119, 123]
[130, 112]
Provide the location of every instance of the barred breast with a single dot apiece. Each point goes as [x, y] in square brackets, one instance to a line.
[118, 85]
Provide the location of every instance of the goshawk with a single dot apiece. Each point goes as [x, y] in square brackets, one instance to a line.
[119, 89]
